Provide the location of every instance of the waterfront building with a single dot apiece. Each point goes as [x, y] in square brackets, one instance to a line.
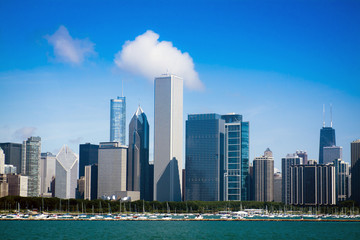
[138, 168]
[13, 152]
[327, 139]
[47, 173]
[32, 155]
[17, 185]
[2, 161]
[88, 155]
[236, 176]
[111, 169]
[66, 172]
[264, 177]
[303, 155]
[289, 160]
[355, 171]
[4, 186]
[204, 157]
[312, 185]
[118, 120]
[277, 186]
[91, 182]
[168, 138]
[331, 153]
[342, 174]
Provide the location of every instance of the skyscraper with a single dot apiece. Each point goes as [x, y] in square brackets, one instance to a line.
[204, 157]
[91, 182]
[111, 169]
[88, 156]
[47, 173]
[355, 170]
[33, 155]
[327, 139]
[303, 155]
[168, 138]
[342, 174]
[2, 161]
[277, 187]
[138, 169]
[236, 176]
[286, 163]
[331, 153]
[264, 177]
[12, 153]
[118, 120]
[67, 166]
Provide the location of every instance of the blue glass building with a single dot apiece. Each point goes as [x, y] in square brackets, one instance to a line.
[118, 120]
[88, 155]
[204, 157]
[236, 166]
[327, 139]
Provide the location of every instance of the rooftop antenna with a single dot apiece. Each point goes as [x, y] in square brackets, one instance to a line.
[331, 123]
[323, 115]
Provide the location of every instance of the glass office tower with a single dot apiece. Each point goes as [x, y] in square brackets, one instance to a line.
[236, 169]
[204, 157]
[118, 120]
[327, 139]
[33, 155]
[88, 156]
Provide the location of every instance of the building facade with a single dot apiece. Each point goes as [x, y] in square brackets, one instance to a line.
[331, 153]
[286, 163]
[66, 172]
[303, 155]
[277, 186]
[91, 182]
[118, 120]
[168, 138]
[111, 169]
[355, 170]
[47, 173]
[204, 157]
[327, 139]
[236, 169]
[88, 155]
[32, 163]
[138, 168]
[13, 152]
[264, 177]
[342, 174]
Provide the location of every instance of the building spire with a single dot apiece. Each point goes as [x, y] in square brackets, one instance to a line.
[122, 87]
[323, 115]
[331, 123]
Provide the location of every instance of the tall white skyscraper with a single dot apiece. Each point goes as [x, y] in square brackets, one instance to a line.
[168, 143]
[67, 167]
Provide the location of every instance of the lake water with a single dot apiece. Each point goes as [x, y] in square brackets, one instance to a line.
[177, 230]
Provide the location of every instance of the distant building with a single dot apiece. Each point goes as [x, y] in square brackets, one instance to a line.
[331, 153]
[32, 156]
[264, 177]
[118, 120]
[67, 166]
[355, 171]
[251, 194]
[286, 163]
[277, 186]
[80, 189]
[47, 173]
[327, 139]
[303, 155]
[4, 186]
[236, 178]
[13, 153]
[9, 169]
[91, 182]
[88, 155]
[17, 185]
[204, 157]
[138, 168]
[312, 185]
[111, 169]
[168, 138]
[2, 161]
[342, 174]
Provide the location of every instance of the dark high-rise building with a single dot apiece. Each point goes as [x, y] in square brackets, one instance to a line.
[204, 157]
[327, 139]
[286, 163]
[138, 169]
[12, 153]
[236, 157]
[88, 156]
[355, 171]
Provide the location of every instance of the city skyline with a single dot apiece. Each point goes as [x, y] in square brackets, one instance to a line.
[278, 80]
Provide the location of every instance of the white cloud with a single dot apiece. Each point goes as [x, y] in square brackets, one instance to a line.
[150, 58]
[23, 133]
[68, 49]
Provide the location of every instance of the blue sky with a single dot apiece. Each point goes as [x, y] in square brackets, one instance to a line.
[275, 62]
